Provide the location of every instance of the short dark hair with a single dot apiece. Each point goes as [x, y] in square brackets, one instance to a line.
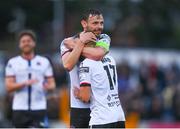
[30, 33]
[88, 12]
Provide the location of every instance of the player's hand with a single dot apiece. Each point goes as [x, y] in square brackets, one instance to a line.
[76, 92]
[30, 82]
[87, 37]
[69, 43]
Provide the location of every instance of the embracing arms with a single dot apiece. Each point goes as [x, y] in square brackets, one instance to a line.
[94, 52]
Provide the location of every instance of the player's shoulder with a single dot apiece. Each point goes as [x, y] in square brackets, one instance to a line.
[14, 59]
[85, 61]
[68, 38]
[109, 58]
[42, 58]
[89, 62]
[65, 39]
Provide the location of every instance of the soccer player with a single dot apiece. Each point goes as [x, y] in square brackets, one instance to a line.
[29, 76]
[72, 49]
[98, 85]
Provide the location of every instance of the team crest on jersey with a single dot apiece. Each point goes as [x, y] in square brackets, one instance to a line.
[38, 63]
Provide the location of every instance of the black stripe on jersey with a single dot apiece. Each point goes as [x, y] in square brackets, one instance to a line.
[29, 87]
[85, 84]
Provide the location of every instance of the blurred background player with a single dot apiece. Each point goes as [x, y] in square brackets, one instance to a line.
[71, 50]
[29, 76]
[98, 85]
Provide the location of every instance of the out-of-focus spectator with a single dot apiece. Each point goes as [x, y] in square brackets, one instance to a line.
[176, 103]
[155, 95]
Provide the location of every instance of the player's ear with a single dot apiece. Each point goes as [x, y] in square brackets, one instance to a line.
[84, 23]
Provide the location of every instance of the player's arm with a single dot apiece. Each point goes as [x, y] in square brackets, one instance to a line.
[11, 84]
[100, 50]
[70, 43]
[95, 53]
[70, 58]
[84, 92]
[49, 83]
[10, 80]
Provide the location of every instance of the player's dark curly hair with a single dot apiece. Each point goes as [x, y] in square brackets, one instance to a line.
[88, 12]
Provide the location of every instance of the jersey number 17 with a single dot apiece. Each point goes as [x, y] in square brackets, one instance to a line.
[107, 68]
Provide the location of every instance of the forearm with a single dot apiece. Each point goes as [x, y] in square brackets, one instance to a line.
[84, 94]
[70, 61]
[84, 98]
[95, 53]
[14, 86]
[70, 43]
[50, 85]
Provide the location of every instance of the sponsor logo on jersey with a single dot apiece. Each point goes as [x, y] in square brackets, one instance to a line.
[84, 70]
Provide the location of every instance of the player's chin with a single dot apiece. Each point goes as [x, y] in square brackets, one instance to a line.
[27, 50]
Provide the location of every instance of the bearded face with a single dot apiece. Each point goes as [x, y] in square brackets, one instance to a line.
[26, 44]
[95, 24]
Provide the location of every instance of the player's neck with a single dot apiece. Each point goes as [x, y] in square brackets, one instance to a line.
[28, 56]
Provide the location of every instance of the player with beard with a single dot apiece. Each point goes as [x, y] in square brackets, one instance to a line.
[73, 50]
[29, 76]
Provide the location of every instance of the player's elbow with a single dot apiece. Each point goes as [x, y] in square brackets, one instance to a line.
[66, 63]
[67, 66]
[8, 88]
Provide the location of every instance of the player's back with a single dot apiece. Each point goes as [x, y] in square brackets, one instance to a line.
[105, 104]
